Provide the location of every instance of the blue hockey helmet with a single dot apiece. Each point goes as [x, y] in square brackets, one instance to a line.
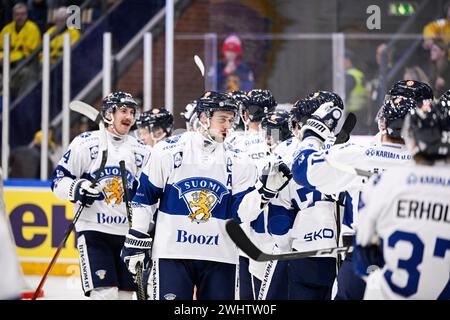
[302, 111]
[426, 131]
[326, 96]
[392, 114]
[116, 100]
[277, 123]
[416, 90]
[215, 101]
[259, 104]
[156, 118]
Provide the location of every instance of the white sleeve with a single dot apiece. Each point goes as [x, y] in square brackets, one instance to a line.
[281, 217]
[71, 167]
[312, 170]
[246, 199]
[370, 207]
[151, 186]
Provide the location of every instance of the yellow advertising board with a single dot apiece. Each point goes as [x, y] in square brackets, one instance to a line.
[39, 221]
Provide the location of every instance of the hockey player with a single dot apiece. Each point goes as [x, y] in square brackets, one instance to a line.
[416, 90]
[254, 106]
[154, 125]
[407, 233]
[316, 169]
[303, 219]
[103, 224]
[199, 184]
[276, 127]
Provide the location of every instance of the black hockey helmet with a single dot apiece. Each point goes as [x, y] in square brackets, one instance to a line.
[392, 114]
[302, 111]
[215, 101]
[240, 96]
[426, 131]
[416, 90]
[277, 123]
[326, 96]
[156, 118]
[259, 104]
[115, 100]
[444, 100]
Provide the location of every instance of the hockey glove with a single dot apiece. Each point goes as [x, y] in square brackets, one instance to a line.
[137, 249]
[366, 259]
[275, 176]
[323, 121]
[82, 193]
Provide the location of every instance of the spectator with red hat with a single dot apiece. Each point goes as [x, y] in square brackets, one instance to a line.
[232, 73]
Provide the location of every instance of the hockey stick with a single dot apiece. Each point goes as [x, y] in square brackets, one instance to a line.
[347, 127]
[199, 64]
[94, 115]
[245, 244]
[141, 292]
[342, 137]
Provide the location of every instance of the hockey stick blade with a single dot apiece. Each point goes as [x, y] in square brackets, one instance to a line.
[246, 245]
[86, 110]
[199, 64]
[347, 127]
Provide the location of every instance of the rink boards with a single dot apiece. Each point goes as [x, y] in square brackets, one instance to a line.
[38, 222]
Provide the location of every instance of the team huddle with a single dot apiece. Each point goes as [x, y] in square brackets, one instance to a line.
[279, 174]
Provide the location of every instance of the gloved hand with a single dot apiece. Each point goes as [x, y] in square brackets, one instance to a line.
[275, 176]
[137, 249]
[323, 121]
[366, 259]
[82, 193]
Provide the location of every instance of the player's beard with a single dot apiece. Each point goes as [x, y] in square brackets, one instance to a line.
[218, 135]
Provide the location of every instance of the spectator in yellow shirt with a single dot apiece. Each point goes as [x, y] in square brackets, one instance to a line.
[438, 30]
[25, 36]
[57, 43]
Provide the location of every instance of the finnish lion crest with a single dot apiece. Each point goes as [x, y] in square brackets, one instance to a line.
[201, 196]
[203, 200]
[113, 191]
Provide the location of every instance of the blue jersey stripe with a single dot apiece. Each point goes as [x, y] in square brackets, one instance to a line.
[300, 168]
[147, 193]
[280, 219]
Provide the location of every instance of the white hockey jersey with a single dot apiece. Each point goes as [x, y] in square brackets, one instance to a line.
[82, 160]
[313, 168]
[253, 144]
[199, 186]
[408, 209]
[301, 218]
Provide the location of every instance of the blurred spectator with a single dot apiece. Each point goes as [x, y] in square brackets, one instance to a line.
[356, 95]
[438, 30]
[377, 86]
[79, 127]
[232, 73]
[57, 43]
[24, 33]
[38, 13]
[25, 37]
[415, 73]
[25, 161]
[440, 78]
